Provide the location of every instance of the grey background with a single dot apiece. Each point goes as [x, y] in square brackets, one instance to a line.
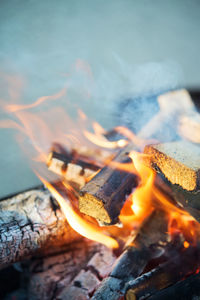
[132, 47]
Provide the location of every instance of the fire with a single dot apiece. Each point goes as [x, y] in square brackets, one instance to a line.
[46, 128]
[81, 226]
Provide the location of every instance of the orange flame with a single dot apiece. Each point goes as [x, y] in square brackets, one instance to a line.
[140, 203]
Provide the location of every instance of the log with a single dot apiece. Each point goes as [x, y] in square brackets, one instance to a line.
[103, 197]
[178, 161]
[148, 243]
[32, 224]
[165, 125]
[71, 168]
[184, 290]
[166, 274]
[189, 127]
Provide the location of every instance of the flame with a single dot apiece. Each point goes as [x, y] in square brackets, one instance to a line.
[46, 128]
[147, 197]
[101, 141]
[81, 226]
[17, 107]
[141, 199]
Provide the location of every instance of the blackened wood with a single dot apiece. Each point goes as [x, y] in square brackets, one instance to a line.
[187, 200]
[184, 290]
[31, 223]
[168, 273]
[75, 171]
[72, 158]
[104, 196]
[151, 238]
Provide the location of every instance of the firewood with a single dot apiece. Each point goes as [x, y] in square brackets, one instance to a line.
[131, 263]
[32, 224]
[187, 200]
[189, 127]
[166, 274]
[104, 195]
[184, 290]
[73, 169]
[178, 161]
[176, 117]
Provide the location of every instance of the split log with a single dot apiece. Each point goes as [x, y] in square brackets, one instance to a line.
[32, 224]
[178, 161]
[148, 243]
[104, 195]
[166, 274]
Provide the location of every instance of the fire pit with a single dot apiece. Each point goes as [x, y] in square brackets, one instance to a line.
[118, 215]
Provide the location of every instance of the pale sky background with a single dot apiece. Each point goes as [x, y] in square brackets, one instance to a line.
[128, 48]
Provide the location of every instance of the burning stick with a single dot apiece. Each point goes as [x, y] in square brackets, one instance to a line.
[133, 260]
[71, 168]
[31, 224]
[104, 196]
[178, 161]
[164, 275]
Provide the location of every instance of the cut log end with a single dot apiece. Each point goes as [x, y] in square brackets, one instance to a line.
[178, 161]
[90, 205]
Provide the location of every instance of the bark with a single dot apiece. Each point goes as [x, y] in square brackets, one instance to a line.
[31, 223]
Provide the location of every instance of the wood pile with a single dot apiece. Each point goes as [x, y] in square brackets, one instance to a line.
[55, 262]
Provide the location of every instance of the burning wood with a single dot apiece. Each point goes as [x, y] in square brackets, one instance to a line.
[178, 161]
[166, 274]
[71, 168]
[185, 289]
[104, 196]
[32, 224]
[133, 260]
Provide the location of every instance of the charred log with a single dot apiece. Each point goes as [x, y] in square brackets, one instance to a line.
[134, 259]
[168, 273]
[104, 196]
[184, 290]
[32, 224]
[71, 168]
